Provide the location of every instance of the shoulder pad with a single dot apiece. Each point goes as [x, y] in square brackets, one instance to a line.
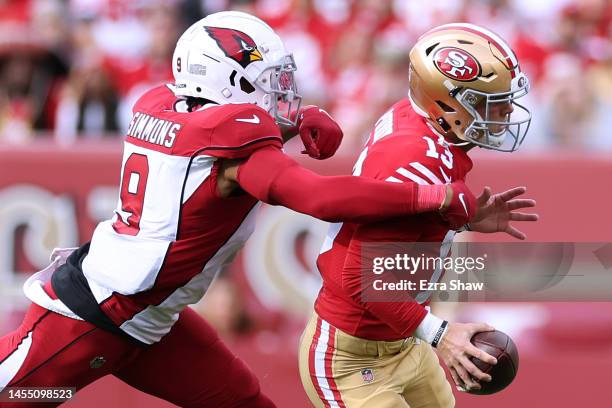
[236, 130]
[154, 97]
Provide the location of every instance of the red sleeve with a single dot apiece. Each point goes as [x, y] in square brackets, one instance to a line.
[271, 176]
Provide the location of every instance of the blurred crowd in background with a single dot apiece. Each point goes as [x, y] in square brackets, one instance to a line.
[71, 69]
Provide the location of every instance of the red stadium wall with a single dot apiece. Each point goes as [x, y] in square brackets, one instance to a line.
[54, 196]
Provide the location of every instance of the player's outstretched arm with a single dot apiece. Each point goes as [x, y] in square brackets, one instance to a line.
[271, 176]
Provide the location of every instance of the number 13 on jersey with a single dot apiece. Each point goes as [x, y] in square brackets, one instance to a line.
[446, 157]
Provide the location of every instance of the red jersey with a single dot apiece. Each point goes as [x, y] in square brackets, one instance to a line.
[400, 149]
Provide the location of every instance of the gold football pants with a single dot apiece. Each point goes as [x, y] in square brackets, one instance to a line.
[342, 371]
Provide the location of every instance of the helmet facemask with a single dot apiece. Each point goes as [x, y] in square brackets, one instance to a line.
[482, 131]
[277, 81]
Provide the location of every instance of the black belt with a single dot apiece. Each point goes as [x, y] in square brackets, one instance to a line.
[72, 288]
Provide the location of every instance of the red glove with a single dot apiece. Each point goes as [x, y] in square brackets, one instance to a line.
[320, 133]
[462, 207]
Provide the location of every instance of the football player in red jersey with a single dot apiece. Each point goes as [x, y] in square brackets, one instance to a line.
[361, 350]
[198, 157]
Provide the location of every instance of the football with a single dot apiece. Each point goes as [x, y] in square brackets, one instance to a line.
[500, 346]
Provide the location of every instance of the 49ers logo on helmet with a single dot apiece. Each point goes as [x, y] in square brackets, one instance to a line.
[457, 64]
[235, 44]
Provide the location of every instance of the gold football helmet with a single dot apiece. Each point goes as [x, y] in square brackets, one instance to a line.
[465, 80]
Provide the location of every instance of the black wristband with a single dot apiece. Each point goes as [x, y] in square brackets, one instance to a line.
[439, 334]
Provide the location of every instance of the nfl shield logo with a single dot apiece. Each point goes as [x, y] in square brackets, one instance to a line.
[368, 375]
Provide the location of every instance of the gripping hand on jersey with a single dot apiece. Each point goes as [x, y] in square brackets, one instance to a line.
[320, 133]
[496, 211]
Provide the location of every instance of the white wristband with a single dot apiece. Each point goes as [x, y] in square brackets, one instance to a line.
[429, 328]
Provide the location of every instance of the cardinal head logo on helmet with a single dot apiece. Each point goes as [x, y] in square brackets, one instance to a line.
[236, 45]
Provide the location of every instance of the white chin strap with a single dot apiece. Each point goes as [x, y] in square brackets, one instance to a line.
[497, 139]
[460, 144]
